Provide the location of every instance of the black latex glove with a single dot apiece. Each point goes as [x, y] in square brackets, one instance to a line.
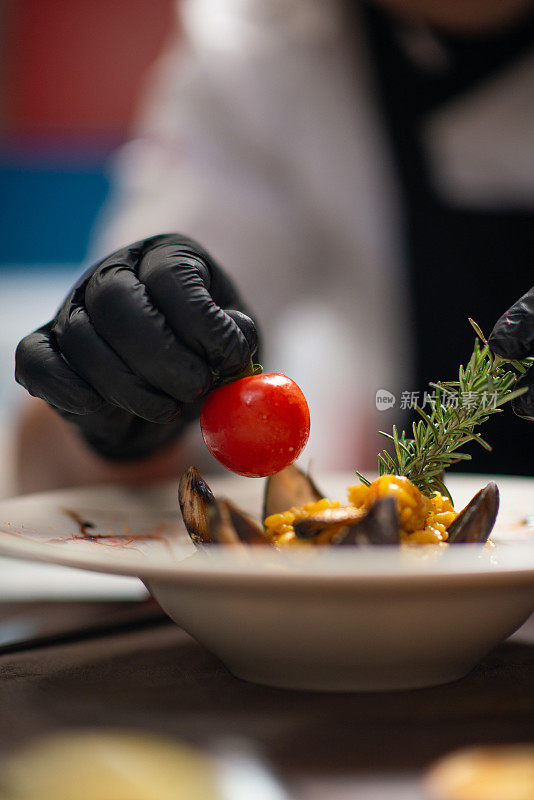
[138, 342]
[513, 337]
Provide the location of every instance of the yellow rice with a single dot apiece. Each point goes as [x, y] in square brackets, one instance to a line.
[423, 520]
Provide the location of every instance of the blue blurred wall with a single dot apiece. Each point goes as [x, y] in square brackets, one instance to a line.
[47, 210]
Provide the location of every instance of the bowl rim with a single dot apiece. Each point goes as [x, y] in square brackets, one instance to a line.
[333, 572]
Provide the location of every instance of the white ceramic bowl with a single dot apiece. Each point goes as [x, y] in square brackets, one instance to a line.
[350, 619]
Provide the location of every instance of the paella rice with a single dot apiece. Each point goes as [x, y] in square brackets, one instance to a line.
[423, 520]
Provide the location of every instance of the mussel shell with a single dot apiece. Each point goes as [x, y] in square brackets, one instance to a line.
[212, 521]
[196, 499]
[287, 488]
[221, 527]
[246, 529]
[324, 521]
[474, 524]
[380, 526]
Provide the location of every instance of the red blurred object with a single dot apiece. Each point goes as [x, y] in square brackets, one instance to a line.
[75, 67]
[256, 426]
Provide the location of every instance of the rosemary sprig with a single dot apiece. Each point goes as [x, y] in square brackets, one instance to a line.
[459, 407]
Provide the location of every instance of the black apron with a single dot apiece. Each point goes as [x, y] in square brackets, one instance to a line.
[462, 262]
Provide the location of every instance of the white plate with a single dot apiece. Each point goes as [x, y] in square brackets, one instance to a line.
[376, 618]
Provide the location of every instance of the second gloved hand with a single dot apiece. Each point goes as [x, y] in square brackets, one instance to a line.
[513, 338]
[137, 344]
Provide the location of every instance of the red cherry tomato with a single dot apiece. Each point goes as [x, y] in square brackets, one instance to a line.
[257, 425]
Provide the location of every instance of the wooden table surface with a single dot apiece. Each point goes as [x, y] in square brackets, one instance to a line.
[148, 674]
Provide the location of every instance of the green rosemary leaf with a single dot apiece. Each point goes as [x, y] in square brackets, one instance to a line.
[362, 478]
[456, 456]
[425, 416]
[416, 439]
[512, 395]
[519, 366]
[442, 488]
[477, 438]
[383, 468]
[477, 329]
[484, 384]
[400, 457]
[387, 435]
[389, 460]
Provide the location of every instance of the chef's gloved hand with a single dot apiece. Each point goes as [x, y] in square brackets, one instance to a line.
[513, 337]
[138, 342]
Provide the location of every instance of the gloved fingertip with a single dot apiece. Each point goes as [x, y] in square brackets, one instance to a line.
[512, 336]
[496, 345]
[247, 327]
[505, 345]
[523, 406]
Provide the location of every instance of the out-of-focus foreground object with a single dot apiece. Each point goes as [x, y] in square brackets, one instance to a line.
[99, 765]
[484, 773]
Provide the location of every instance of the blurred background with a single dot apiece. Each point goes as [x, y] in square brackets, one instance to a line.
[69, 80]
